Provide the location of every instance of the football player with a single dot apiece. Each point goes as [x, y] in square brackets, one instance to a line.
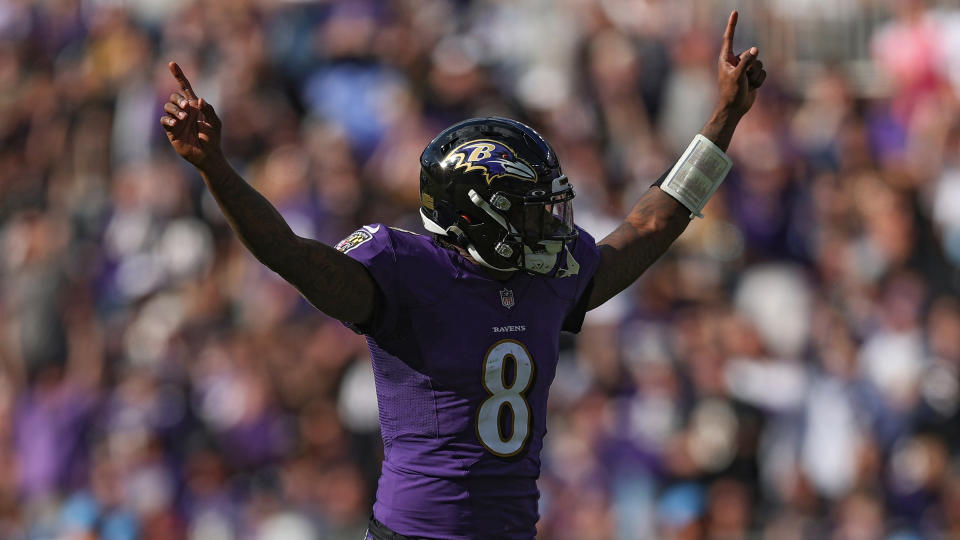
[463, 324]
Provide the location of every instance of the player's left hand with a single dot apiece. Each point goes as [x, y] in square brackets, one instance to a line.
[738, 77]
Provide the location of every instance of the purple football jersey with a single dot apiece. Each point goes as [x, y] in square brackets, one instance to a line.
[463, 364]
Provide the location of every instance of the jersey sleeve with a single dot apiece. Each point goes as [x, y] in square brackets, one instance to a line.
[409, 271]
[372, 246]
[587, 255]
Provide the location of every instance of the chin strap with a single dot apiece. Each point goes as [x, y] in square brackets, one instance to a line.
[472, 250]
[433, 227]
[537, 262]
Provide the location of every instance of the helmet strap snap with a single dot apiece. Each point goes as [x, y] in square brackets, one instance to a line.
[500, 202]
[477, 200]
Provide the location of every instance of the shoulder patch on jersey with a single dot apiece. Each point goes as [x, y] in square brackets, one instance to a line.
[356, 238]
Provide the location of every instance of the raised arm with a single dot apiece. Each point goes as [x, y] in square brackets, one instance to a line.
[333, 282]
[658, 218]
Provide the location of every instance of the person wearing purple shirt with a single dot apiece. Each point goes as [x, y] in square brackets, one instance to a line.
[464, 324]
[455, 435]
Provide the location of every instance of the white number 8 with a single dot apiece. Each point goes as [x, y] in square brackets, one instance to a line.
[494, 381]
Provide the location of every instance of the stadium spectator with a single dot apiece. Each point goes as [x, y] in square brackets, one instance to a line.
[790, 370]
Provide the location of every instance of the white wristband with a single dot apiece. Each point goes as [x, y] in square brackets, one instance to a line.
[697, 174]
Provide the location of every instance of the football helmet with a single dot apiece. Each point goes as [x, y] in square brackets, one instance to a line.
[494, 186]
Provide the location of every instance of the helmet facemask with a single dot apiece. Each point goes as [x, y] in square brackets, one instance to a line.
[535, 229]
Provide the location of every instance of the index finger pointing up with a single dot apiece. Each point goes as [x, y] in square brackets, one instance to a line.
[182, 79]
[727, 47]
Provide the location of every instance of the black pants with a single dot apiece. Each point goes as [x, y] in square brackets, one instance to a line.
[379, 531]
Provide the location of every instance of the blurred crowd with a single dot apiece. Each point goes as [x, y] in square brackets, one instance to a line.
[788, 371]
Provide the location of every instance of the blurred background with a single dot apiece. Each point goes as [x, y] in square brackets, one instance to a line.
[788, 371]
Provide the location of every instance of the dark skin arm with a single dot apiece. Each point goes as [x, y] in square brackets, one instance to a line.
[658, 219]
[333, 282]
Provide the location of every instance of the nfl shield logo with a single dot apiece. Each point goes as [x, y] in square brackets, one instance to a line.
[506, 298]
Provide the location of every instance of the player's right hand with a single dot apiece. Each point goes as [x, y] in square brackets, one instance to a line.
[191, 124]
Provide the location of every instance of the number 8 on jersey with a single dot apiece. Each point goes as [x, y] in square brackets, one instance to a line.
[502, 394]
